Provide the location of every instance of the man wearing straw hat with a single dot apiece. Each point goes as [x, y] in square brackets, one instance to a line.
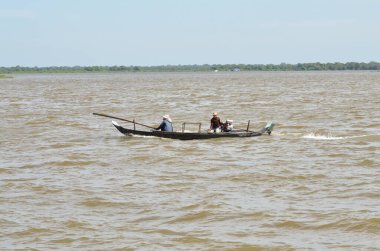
[166, 124]
[215, 123]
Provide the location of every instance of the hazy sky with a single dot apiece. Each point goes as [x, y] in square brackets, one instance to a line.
[162, 32]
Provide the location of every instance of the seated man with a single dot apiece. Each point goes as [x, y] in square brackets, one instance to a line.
[228, 126]
[166, 124]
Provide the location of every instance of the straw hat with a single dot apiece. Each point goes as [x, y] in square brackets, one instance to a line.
[167, 117]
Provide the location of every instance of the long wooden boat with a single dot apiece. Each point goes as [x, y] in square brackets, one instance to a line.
[195, 135]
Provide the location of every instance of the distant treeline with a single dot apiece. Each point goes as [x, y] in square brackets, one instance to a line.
[4, 76]
[197, 68]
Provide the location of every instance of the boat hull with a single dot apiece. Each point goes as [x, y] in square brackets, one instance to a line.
[187, 135]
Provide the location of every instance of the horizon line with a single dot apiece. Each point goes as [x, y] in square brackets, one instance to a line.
[164, 65]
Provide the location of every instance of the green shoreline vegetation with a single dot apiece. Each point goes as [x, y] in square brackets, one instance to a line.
[350, 66]
[5, 76]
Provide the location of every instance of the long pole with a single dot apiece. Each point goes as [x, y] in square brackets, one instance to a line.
[113, 117]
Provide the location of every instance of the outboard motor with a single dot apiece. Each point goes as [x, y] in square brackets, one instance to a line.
[269, 127]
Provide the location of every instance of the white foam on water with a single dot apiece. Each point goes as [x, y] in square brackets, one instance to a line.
[329, 136]
[321, 136]
[141, 136]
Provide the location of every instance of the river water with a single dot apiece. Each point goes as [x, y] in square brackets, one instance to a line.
[70, 181]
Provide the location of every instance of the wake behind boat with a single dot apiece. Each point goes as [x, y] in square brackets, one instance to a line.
[184, 135]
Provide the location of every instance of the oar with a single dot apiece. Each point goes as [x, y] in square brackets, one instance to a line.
[113, 117]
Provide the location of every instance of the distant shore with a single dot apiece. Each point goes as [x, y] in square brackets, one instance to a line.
[350, 66]
[5, 76]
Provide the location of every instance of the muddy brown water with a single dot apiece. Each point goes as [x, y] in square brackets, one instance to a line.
[70, 181]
